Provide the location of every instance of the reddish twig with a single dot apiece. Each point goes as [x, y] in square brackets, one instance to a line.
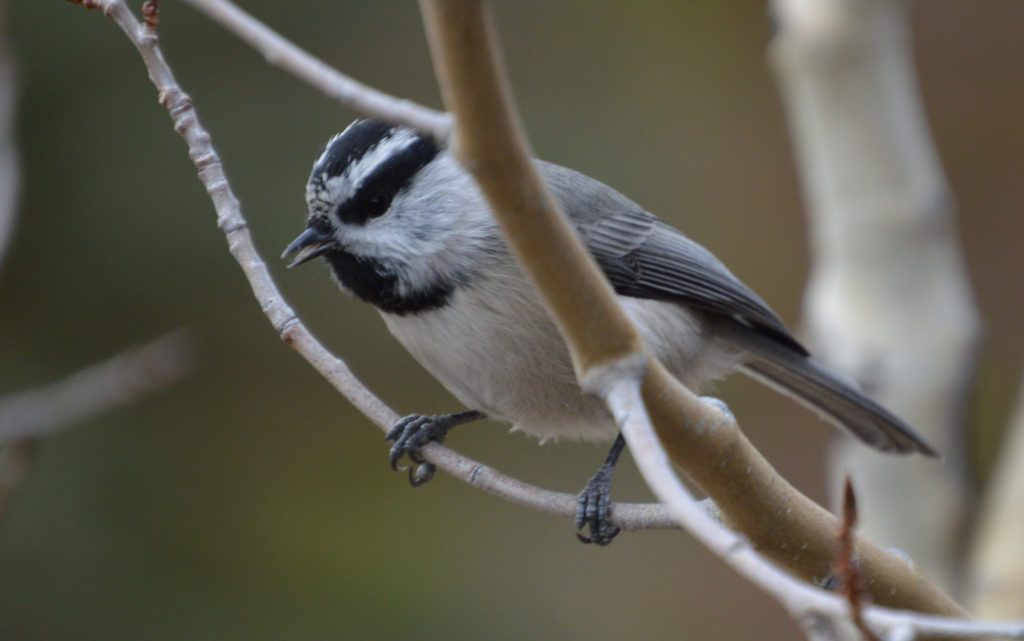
[851, 581]
[151, 13]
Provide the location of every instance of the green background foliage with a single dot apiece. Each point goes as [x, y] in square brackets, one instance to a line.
[250, 501]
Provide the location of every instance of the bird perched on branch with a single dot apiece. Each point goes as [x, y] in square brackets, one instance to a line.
[404, 227]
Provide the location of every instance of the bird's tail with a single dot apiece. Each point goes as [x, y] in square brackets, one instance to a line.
[826, 392]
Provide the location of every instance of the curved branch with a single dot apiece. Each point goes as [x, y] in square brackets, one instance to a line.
[703, 440]
[628, 516]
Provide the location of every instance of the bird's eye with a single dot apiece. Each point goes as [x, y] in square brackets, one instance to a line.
[377, 205]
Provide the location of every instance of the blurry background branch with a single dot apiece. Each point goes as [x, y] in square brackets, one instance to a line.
[10, 170]
[28, 416]
[888, 301]
[97, 388]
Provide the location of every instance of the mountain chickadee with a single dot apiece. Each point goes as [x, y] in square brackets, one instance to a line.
[404, 227]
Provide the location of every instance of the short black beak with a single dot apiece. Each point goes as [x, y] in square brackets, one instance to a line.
[310, 244]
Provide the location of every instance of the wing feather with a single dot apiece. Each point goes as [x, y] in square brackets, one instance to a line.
[644, 257]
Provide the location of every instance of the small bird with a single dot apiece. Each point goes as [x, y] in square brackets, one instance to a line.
[405, 228]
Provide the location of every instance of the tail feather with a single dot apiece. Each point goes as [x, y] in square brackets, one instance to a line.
[826, 392]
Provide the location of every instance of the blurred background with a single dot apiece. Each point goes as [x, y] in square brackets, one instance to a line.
[249, 500]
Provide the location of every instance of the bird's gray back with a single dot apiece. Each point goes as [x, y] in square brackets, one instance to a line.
[644, 257]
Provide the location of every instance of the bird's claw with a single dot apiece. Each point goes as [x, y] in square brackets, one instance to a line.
[593, 509]
[408, 437]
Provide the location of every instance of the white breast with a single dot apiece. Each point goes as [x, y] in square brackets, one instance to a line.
[495, 349]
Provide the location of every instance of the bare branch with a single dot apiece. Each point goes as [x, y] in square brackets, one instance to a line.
[230, 219]
[488, 141]
[95, 389]
[351, 93]
[28, 416]
[817, 611]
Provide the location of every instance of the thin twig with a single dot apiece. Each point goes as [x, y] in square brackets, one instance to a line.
[97, 388]
[28, 416]
[351, 93]
[803, 601]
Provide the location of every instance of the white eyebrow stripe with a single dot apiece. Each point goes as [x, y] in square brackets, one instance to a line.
[396, 140]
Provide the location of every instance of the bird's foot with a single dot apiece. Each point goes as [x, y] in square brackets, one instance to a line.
[593, 508]
[411, 433]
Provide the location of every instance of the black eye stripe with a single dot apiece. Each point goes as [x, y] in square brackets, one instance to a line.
[362, 207]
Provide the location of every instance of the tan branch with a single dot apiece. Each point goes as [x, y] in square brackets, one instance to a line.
[488, 141]
[704, 441]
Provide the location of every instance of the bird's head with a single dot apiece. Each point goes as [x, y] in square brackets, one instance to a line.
[395, 217]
